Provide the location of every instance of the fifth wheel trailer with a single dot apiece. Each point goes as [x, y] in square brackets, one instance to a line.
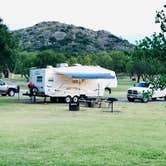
[71, 82]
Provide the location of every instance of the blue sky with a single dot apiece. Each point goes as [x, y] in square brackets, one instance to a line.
[129, 19]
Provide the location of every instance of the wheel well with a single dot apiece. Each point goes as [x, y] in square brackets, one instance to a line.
[108, 89]
[11, 89]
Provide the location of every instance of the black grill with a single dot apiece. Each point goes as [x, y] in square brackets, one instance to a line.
[135, 92]
[129, 91]
[132, 92]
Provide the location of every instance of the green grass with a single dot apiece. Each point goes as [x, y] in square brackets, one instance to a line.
[123, 84]
[48, 134]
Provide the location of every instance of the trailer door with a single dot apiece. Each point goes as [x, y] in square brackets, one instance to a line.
[50, 84]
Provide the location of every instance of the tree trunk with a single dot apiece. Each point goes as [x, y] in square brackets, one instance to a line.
[1, 75]
[138, 77]
[8, 74]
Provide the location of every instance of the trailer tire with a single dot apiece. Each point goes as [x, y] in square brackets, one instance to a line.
[154, 99]
[108, 90]
[34, 91]
[75, 99]
[68, 99]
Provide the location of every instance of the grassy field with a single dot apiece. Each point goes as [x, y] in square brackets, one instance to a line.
[49, 134]
[123, 84]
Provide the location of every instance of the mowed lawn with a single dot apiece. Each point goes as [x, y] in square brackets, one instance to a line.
[50, 135]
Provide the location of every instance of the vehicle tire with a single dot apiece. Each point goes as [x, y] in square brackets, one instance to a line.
[34, 91]
[145, 99]
[131, 99]
[11, 92]
[68, 99]
[75, 99]
[154, 99]
[165, 98]
[3, 94]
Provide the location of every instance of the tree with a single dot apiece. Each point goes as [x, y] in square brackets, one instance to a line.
[85, 59]
[141, 63]
[151, 50]
[8, 49]
[149, 58]
[161, 19]
[72, 60]
[119, 61]
[154, 54]
[25, 61]
[48, 57]
[103, 59]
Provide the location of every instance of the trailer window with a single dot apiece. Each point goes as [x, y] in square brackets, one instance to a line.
[142, 84]
[51, 79]
[39, 78]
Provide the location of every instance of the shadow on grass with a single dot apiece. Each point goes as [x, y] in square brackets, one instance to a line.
[8, 100]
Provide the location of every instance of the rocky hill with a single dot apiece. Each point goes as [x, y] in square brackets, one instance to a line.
[69, 39]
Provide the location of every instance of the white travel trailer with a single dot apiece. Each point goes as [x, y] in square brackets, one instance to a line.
[71, 82]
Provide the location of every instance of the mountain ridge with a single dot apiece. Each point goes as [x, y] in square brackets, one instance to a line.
[69, 38]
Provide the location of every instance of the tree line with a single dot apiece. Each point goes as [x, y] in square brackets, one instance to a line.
[115, 61]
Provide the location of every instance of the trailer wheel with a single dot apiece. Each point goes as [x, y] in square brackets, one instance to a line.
[34, 91]
[75, 99]
[108, 90]
[154, 99]
[68, 99]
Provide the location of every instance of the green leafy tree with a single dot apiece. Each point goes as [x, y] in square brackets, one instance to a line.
[161, 19]
[48, 57]
[8, 49]
[149, 59]
[25, 61]
[119, 61]
[85, 60]
[72, 60]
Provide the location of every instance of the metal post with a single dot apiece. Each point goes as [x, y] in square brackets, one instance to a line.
[112, 106]
[18, 96]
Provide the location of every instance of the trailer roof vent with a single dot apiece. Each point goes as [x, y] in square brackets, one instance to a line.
[62, 65]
